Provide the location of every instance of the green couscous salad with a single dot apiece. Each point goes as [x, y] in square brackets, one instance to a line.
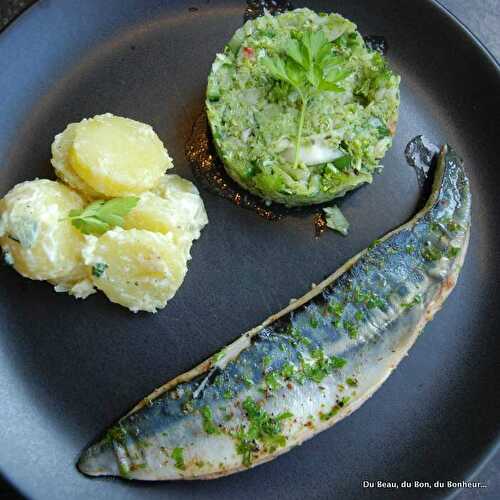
[301, 110]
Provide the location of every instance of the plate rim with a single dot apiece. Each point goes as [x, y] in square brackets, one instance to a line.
[491, 450]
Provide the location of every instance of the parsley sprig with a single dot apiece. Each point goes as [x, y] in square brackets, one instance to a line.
[308, 64]
[102, 215]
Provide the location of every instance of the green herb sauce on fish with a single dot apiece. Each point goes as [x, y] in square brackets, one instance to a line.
[306, 367]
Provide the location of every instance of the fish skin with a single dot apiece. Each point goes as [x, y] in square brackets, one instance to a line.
[390, 291]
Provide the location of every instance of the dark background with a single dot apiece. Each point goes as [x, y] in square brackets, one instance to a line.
[482, 17]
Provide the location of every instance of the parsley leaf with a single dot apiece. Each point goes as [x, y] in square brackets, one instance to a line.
[102, 215]
[308, 64]
[335, 220]
[293, 50]
[336, 74]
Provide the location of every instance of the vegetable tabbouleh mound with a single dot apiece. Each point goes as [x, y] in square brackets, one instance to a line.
[300, 109]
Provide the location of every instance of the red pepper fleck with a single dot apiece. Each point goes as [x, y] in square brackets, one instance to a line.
[392, 127]
[248, 53]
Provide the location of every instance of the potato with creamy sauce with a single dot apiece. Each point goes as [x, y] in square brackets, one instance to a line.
[36, 236]
[109, 156]
[174, 206]
[60, 149]
[119, 225]
[136, 268]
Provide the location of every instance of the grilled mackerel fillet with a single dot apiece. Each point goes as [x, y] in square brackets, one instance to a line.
[306, 367]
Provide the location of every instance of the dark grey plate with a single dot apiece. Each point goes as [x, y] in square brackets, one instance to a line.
[68, 369]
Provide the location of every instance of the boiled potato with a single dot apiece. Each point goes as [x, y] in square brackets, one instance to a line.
[36, 236]
[138, 269]
[174, 207]
[60, 149]
[117, 156]
[183, 195]
[153, 213]
[80, 290]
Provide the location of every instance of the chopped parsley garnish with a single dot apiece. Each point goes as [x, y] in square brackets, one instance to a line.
[430, 252]
[453, 226]
[318, 354]
[322, 366]
[383, 131]
[287, 370]
[373, 244]
[359, 296]
[335, 308]
[374, 301]
[248, 381]
[351, 329]
[98, 269]
[298, 337]
[266, 361]
[416, 300]
[351, 381]
[453, 252]
[123, 470]
[410, 249]
[116, 434]
[272, 381]
[335, 409]
[187, 407]
[218, 356]
[262, 428]
[208, 424]
[228, 394]
[178, 457]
